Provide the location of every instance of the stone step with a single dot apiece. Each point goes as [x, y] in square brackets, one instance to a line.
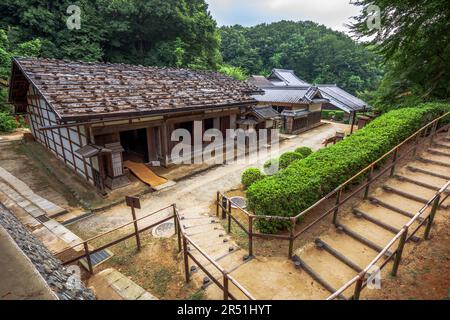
[300, 263]
[438, 162]
[359, 213]
[410, 196]
[429, 172]
[24, 190]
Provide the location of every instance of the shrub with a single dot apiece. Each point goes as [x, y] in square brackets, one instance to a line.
[306, 181]
[337, 115]
[272, 166]
[304, 151]
[250, 176]
[289, 157]
[7, 122]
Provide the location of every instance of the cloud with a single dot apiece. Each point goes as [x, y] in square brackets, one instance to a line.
[332, 13]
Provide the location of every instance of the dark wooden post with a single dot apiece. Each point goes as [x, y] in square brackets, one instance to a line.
[369, 181]
[353, 122]
[394, 161]
[177, 226]
[398, 255]
[433, 132]
[416, 144]
[291, 237]
[338, 201]
[224, 207]
[88, 257]
[358, 287]
[136, 230]
[225, 286]
[250, 236]
[431, 217]
[217, 203]
[229, 218]
[186, 259]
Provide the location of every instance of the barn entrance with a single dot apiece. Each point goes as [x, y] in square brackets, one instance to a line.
[135, 144]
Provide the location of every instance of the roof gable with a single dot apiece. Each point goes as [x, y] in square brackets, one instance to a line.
[286, 78]
[342, 99]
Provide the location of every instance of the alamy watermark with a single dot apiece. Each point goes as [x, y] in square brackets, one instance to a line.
[73, 22]
[232, 146]
[373, 17]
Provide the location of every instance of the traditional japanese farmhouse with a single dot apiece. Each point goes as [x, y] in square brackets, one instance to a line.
[298, 101]
[95, 116]
[297, 104]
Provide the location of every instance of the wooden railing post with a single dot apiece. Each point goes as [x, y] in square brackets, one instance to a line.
[225, 286]
[291, 237]
[177, 227]
[224, 207]
[358, 287]
[217, 203]
[88, 257]
[394, 161]
[136, 230]
[186, 259]
[416, 144]
[433, 132]
[431, 217]
[369, 181]
[250, 236]
[229, 218]
[398, 254]
[338, 201]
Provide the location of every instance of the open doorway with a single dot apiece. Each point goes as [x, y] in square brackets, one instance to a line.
[135, 144]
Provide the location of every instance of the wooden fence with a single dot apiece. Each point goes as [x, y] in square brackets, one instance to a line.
[183, 242]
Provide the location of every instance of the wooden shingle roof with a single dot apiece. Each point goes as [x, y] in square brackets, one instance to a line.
[81, 90]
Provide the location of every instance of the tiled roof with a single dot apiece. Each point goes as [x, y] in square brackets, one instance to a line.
[79, 90]
[265, 112]
[259, 81]
[342, 99]
[282, 77]
[288, 94]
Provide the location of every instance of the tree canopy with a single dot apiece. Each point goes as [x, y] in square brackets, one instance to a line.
[316, 53]
[414, 41]
[151, 32]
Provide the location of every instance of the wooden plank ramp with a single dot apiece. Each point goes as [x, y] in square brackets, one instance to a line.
[145, 174]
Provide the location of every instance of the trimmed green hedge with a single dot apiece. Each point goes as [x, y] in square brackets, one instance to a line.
[289, 157]
[304, 151]
[305, 181]
[250, 176]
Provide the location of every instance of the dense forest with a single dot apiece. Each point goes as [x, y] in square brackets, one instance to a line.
[316, 53]
[407, 60]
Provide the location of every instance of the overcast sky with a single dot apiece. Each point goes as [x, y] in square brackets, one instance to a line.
[332, 13]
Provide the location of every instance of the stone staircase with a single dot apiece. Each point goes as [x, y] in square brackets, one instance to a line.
[335, 257]
[340, 254]
[36, 213]
[208, 233]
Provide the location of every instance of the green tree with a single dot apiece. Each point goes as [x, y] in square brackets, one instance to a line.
[8, 50]
[415, 44]
[317, 54]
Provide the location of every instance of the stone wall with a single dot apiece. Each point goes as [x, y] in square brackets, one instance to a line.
[56, 276]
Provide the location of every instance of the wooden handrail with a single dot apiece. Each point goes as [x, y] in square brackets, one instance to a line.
[390, 244]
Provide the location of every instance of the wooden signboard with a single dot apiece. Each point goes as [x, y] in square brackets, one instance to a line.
[133, 202]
